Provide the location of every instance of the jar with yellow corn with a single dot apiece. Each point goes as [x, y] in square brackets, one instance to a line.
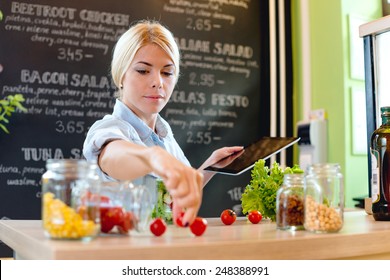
[70, 199]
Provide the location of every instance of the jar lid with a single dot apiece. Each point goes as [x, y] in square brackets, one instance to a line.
[323, 168]
[70, 164]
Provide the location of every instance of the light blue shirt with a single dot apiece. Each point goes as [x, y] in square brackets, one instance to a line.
[125, 125]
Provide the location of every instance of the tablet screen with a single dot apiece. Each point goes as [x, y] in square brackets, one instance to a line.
[263, 149]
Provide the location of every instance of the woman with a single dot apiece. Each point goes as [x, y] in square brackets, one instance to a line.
[135, 142]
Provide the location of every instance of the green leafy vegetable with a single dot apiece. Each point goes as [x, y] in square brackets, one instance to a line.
[163, 207]
[260, 194]
[8, 105]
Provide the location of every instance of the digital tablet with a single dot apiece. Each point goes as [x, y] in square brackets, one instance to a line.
[264, 148]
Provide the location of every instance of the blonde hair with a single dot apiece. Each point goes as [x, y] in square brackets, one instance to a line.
[140, 34]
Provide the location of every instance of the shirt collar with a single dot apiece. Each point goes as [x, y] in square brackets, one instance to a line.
[121, 111]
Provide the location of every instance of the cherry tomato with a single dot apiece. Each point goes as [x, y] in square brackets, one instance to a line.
[254, 216]
[110, 217]
[179, 220]
[106, 224]
[198, 227]
[228, 216]
[127, 223]
[158, 227]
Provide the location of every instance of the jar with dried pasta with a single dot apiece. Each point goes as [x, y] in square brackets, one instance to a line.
[324, 198]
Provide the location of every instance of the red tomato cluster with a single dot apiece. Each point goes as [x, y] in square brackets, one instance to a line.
[114, 216]
[228, 216]
[198, 227]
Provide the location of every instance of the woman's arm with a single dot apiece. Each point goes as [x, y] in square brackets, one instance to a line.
[127, 161]
[124, 160]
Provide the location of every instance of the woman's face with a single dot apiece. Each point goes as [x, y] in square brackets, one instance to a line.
[149, 82]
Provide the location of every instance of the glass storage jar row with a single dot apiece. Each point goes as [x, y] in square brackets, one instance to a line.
[314, 202]
[76, 204]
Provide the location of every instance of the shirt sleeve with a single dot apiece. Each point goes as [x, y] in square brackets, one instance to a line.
[172, 146]
[103, 132]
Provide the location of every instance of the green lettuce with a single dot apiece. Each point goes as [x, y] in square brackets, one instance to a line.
[260, 194]
[162, 209]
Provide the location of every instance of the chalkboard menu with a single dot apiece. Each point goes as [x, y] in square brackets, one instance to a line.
[57, 54]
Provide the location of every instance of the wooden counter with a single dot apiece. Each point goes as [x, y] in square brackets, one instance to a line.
[360, 238]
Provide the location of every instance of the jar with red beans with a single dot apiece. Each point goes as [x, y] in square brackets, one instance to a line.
[290, 203]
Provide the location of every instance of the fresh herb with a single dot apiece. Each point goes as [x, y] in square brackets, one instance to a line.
[260, 194]
[8, 105]
[162, 208]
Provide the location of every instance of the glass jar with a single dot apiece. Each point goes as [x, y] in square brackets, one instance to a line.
[324, 198]
[289, 203]
[139, 201]
[124, 207]
[70, 199]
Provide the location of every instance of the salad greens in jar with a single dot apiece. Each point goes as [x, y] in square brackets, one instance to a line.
[163, 207]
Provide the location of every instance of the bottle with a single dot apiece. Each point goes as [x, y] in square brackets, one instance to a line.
[289, 203]
[380, 164]
[70, 199]
[324, 198]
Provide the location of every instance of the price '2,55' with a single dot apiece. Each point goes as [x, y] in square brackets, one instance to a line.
[200, 137]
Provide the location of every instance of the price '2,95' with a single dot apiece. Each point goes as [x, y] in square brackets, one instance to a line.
[203, 79]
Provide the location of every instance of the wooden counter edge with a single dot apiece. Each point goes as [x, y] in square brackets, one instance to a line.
[18, 241]
[344, 245]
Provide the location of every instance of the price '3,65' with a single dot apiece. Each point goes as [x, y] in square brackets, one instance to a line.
[70, 127]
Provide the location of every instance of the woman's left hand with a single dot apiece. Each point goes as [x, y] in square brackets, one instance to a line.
[220, 158]
[223, 153]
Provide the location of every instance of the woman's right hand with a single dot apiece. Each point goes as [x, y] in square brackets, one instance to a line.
[127, 161]
[183, 183]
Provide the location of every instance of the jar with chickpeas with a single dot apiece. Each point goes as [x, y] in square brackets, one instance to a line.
[70, 199]
[324, 198]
